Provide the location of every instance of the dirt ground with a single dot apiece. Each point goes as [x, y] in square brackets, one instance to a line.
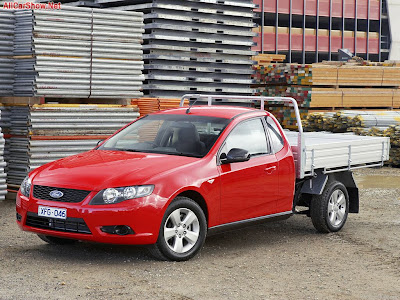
[283, 260]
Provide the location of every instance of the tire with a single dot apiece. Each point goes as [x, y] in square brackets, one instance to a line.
[182, 232]
[55, 240]
[330, 209]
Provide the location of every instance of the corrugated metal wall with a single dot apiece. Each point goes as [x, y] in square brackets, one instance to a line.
[313, 30]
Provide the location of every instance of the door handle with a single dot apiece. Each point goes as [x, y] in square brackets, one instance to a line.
[270, 170]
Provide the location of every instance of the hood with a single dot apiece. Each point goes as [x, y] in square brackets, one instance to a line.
[99, 169]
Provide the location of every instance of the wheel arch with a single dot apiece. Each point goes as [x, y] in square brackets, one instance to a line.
[316, 186]
[348, 181]
[198, 198]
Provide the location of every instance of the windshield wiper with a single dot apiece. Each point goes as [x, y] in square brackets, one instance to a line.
[155, 151]
[184, 154]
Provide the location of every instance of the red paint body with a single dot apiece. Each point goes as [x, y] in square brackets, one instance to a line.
[232, 192]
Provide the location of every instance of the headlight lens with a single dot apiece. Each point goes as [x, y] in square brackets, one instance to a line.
[130, 192]
[26, 186]
[116, 195]
[110, 195]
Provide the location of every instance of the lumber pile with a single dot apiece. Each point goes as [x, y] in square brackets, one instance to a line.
[329, 85]
[351, 73]
[266, 59]
[150, 105]
[393, 132]
[346, 120]
[311, 97]
[371, 123]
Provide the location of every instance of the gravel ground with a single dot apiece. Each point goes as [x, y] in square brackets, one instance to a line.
[283, 260]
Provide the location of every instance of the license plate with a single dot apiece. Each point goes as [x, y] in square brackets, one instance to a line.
[52, 212]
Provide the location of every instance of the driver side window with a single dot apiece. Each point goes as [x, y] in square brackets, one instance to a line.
[248, 135]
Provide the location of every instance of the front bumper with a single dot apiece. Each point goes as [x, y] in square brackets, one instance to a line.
[85, 222]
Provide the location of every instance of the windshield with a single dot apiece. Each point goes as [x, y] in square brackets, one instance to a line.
[186, 135]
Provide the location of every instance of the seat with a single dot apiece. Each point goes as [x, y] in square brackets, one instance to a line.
[188, 140]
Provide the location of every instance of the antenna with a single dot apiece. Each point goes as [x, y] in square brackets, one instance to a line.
[190, 106]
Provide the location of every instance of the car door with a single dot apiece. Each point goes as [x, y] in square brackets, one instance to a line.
[248, 189]
[286, 171]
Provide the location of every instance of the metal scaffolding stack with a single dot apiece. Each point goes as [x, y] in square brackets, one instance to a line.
[6, 52]
[5, 124]
[44, 133]
[78, 52]
[195, 46]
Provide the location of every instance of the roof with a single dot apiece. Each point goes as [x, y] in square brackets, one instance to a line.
[222, 111]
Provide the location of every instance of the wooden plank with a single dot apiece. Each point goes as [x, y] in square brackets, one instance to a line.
[326, 97]
[324, 74]
[396, 98]
[359, 76]
[22, 100]
[367, 97]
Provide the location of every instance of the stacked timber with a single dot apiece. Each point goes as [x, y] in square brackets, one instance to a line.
[150, 105]
[267, 59]
[44, 133]
[146, 105]
[330, 85]
[372, 123]
[75, 52]
[345, 120]
[394, 133]
[331, 74]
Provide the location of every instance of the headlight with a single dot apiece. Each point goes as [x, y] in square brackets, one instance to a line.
[26, 186]
[116, 195]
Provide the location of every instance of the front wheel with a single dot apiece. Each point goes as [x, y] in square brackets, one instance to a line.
[330, 209]
[183, 231]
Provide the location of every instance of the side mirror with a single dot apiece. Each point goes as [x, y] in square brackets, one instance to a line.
[235, 155]
[99, 142]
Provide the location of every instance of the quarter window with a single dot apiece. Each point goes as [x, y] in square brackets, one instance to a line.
[276, 138]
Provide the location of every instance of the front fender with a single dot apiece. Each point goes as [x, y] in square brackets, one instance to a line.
[208, 189]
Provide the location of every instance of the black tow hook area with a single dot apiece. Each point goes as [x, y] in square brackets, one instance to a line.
[118, 229]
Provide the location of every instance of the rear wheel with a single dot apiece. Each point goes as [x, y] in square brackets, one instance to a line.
[55, 240]
[182, 232]
[330, 209]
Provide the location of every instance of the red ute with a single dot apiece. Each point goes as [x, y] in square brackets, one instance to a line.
[167, 179]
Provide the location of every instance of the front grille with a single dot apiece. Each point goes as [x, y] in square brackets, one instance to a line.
[70, 195]
[69, 225]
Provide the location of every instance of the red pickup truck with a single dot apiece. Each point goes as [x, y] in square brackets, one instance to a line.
[171, 178]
